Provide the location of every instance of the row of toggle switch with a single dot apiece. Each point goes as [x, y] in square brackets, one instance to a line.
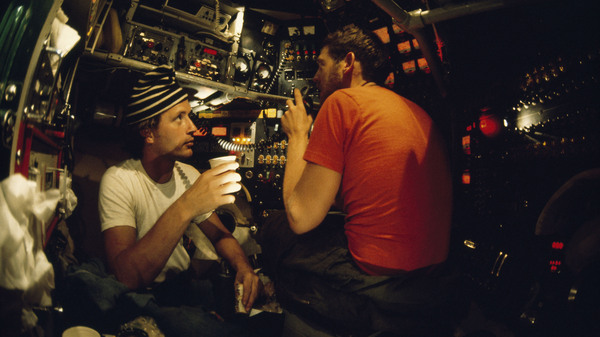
[268, 159]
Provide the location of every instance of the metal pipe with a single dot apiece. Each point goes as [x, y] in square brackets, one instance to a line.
[417, 19]
[401, 16]
[455, 11]
[433, 60]
[428, 17]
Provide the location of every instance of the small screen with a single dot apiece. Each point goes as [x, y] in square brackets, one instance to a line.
[210, 51]
[220, 131]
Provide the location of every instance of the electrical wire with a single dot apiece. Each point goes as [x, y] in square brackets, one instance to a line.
[230, 146]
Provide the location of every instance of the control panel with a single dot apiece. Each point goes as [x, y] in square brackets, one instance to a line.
[257, 141]
[200, 39]
[516, 160]
[198, 57]
[267, 62]
[202, 59]
[300, 64]
[264, 179]
[151, 47]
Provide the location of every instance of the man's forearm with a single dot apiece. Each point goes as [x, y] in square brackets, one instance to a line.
[229, 248]
[293, 168]
[225, 244]
[141, 263]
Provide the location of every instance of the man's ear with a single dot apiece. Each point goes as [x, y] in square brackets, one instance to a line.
[148, 136]
[349, 61]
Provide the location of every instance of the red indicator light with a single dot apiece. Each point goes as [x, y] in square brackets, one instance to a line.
[490, 125]
[201, 132]
[210, 51]
[466, 177]
[150, 44]
[558, 245]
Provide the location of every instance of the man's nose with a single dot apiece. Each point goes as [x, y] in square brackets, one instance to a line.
[191, 126]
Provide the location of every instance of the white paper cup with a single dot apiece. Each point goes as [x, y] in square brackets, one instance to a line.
[80, 331]
[214, 162]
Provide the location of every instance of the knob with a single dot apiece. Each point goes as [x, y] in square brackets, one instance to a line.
[10, 93]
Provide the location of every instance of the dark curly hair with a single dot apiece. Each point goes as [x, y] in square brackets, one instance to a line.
[366, 46]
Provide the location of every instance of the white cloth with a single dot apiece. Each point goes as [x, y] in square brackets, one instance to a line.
[23, 264]
[24, 215]
[62, 37]
[129, 197]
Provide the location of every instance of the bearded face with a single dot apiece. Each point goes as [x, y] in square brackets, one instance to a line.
[329, 75]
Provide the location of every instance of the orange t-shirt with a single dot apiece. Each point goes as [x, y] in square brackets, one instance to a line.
[396, 182]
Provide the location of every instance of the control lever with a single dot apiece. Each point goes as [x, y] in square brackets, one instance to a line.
[308, 102]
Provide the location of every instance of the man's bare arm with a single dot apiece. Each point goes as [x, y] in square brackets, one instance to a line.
[229, 248]
[309, 190]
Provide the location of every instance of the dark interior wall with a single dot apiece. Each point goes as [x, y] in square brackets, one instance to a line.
[98, 144]
[489, 53]
[93, 155]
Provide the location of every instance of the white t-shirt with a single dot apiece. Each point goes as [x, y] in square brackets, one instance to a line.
[129, 197]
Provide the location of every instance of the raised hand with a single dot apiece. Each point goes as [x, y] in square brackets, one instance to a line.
[214, 187]
[295, 121]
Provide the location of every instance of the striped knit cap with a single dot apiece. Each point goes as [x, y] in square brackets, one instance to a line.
[154, 93]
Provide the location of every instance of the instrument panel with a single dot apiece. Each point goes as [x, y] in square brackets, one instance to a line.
[151, 47]
[195, 57]
[260, 147]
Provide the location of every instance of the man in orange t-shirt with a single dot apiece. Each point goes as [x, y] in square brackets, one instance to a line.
[395, 181]
[378, 156]
[381, 152]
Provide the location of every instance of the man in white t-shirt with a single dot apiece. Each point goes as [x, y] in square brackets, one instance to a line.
[149, 202]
